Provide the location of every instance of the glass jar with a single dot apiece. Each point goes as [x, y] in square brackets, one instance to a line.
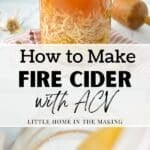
[75, 21]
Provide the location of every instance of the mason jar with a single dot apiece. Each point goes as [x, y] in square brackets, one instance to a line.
[75, 21]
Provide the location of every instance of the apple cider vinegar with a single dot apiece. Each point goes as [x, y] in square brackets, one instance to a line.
[75, 21]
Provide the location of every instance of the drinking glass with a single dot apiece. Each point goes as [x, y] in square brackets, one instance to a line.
[75, 21]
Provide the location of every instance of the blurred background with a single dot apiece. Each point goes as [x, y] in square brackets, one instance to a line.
[135, 138]
[27, 11]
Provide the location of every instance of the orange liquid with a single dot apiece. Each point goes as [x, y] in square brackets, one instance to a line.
[57, 15]
[72, 6]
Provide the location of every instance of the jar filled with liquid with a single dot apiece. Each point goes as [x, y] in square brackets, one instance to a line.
[75, 21]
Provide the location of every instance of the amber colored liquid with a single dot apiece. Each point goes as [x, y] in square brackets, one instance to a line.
[75, 21]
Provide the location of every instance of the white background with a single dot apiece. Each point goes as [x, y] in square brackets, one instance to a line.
[131, 104]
